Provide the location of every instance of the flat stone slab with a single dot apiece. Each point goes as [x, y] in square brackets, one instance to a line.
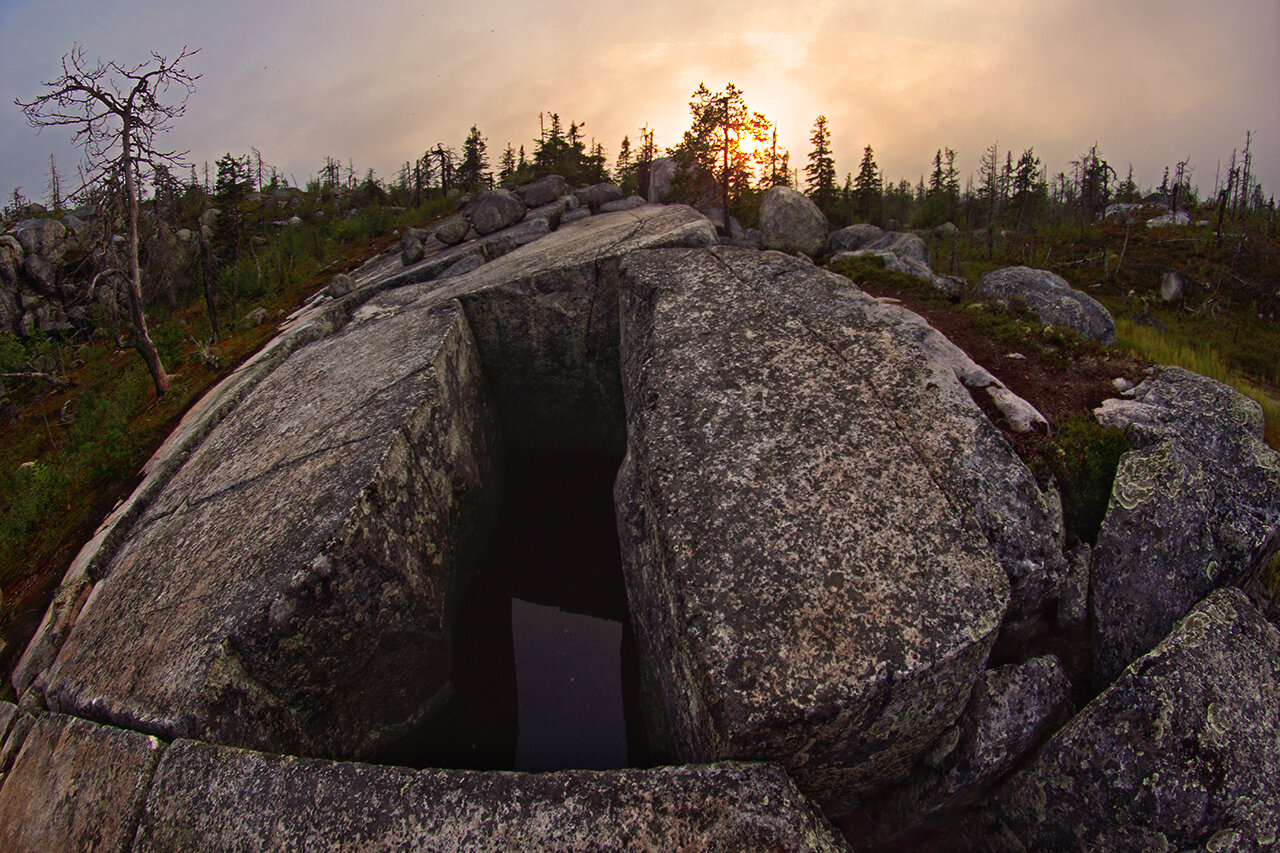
[76, 786]
[799, 583]
[211, 797]
[1182, 752]
[293, 586]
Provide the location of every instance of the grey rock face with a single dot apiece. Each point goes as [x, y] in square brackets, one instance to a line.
[494, 210]
[40, 236]
[851, 238]
[1179, 753]
[904, 245]
[1011, 710]
[232, 799]
[543, 191]
[1195, 505]
[1051, 299]
[598, 195]
[924, 378]
[452, 230]
[798, 582]
[75, 786]
[790, 222]
[11, 256]
[42, 274]
[294, 585]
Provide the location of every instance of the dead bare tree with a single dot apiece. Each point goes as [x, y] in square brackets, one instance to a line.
[117, 112]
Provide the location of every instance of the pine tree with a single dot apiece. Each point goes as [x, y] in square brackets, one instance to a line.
[508, 163]
[1026, 185]
[624, 173]
[725, 144]
[867, 192]
[820, 173]
[473, 171]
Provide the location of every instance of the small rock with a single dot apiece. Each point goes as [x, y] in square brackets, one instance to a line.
[256, 317]
[1172, 287]
[411, 245]
[453, 230]
[598, 195]
[340, 285]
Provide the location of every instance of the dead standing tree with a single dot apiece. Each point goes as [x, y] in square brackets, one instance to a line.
[117, 112]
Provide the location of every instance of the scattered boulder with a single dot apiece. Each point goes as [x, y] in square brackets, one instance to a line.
[256, 317]
[791, 222]
[1172, 287]
[903, 244]
[493, 210]
[598, 195]
[209, 218]
[1051, 299]
[552, 212]
[340, 285]
[945, 231]
[948, 285]
[452, 230]
[42, 274]
[780, 532]
[543, 191]
[411, 245]
[1169, 219]
[40, 237]
[1195, 505]
[622, 204]
[851, 238]
[1179, 753]
[575, 215]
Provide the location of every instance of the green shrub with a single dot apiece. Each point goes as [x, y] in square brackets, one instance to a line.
[34, 493]
[1086, 455]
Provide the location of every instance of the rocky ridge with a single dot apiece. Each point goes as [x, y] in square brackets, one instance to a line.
[823, 537]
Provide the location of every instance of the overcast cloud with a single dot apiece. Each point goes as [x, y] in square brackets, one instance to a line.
[379, 82]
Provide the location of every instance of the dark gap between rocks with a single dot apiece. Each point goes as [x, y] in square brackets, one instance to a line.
[545, 665]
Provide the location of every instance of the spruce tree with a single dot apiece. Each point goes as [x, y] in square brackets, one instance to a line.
[820, 173]
[866, 187]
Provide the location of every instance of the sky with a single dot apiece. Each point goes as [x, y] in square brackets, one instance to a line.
[1151, 82]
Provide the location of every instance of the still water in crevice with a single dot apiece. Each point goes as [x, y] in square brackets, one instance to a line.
[545, 667]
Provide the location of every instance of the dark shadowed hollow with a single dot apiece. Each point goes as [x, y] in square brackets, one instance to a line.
[545, 664]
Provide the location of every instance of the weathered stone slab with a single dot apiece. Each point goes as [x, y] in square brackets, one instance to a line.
[1195, 505]
[293, 586]
[1182, 752]
[76, 786]
[545, 320]
[218, 798]
[798, 582]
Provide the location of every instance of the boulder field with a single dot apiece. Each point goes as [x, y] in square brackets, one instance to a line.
[823, 537]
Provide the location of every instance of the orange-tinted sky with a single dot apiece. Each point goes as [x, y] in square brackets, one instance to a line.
[379, 82]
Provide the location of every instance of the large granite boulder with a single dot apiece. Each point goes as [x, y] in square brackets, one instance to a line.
[1180, 753]
[233, 799]
[801, 586]
[543, 191]
[1051, 299]
[903, 244]
[75, 786]
[493, 210]
[851, 238]
[294, 584]
[790, 222]
[40, 236]
[1195, 505]
[452, 230]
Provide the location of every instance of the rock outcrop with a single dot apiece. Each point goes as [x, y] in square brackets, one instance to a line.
[1195, 505]
[1180, 753]
[1051, 299]
[790, 222]
[802, 588]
